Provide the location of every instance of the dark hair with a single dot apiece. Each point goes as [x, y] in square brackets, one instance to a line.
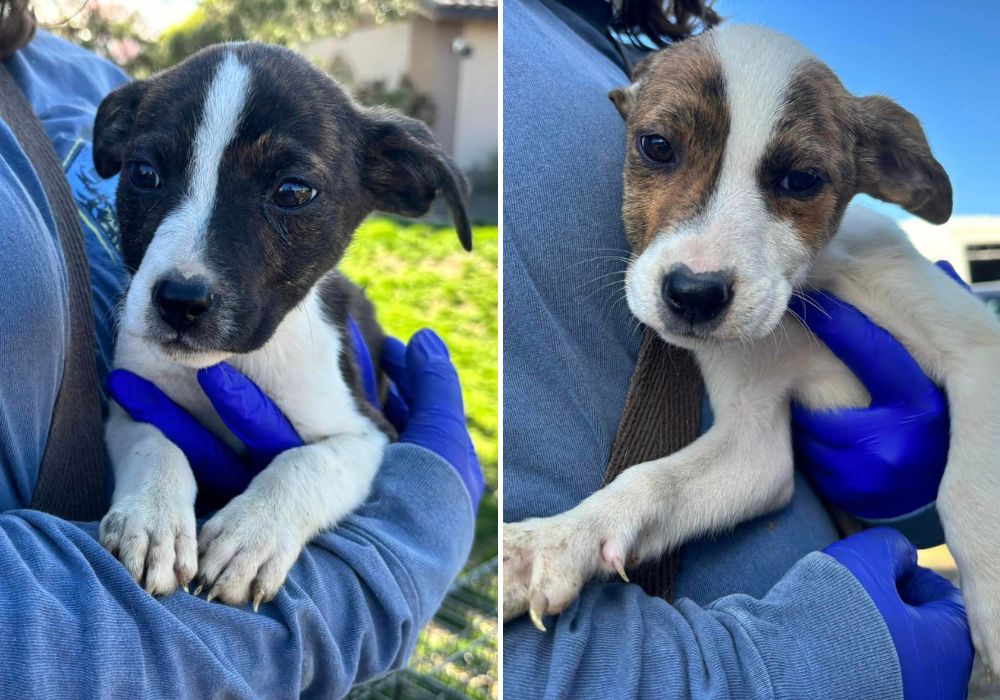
[660, 22]
[17, 25]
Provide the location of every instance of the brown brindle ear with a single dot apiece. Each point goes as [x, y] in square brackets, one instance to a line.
[404, 168]
[624, 99]
[895, 163]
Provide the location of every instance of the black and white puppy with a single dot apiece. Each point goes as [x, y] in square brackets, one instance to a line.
[244, 173]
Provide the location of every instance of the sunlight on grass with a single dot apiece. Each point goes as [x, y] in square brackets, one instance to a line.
[419, 277]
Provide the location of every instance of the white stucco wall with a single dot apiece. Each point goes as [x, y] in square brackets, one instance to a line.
[950, 240]
[476, 123]
[379, 52]
[463, 88]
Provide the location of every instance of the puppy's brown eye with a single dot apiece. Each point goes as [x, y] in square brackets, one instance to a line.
[801, 183]
[292, 194]
[657, 150]
[143, 176]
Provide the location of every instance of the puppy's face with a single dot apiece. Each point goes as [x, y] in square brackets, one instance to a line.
[743, 153]
[243, 174]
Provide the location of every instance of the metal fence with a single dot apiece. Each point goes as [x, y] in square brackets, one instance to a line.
[456, 655]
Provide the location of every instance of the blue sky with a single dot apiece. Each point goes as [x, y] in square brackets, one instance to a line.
[940, 60]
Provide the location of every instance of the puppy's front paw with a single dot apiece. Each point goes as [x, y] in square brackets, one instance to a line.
[246, 553]
[547, 561]
[155, 540]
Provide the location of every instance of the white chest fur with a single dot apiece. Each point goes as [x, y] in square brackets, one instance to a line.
[298, 368]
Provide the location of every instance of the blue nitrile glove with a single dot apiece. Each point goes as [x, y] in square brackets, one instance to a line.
[426, 406]
[886, 460]
[248, 413]
[923, 611]
[220, 472]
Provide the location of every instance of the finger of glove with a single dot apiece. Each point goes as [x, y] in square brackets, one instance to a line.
[363, 360]
[922, 587]
[821, 462]
[248, 412]
[949, 270]
[393, 363]
[433, 377]
[844, 427]
[882, 364]
[395, 409]
[847, 479]
[215, 466]
[875, 553]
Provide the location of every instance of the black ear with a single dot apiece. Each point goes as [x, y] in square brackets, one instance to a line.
[895, 163]
[404, 168]
[113, 126]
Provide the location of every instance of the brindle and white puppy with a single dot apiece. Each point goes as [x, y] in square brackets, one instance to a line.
[743, 153]
[244, 172]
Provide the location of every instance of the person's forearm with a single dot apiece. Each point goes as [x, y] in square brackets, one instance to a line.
[74, 622]
[816, 629]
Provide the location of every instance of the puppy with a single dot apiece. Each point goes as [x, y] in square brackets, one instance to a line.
[743, 153]
[244, 172]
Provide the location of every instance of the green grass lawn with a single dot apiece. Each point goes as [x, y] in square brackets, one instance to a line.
[419, 276]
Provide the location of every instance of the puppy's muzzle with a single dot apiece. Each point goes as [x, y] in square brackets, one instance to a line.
[181, 303]
[696, 297]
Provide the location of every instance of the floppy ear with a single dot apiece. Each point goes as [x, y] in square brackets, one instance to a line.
[113, 126]
[895, 163]
[624, 99]
[404, 168]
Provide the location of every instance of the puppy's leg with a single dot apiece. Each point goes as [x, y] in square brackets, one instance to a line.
[969, 496]
[956, 341]
[739, 469]
[151, 525]
[248, 547]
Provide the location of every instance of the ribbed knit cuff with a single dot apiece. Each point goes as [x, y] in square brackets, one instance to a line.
[831, 642]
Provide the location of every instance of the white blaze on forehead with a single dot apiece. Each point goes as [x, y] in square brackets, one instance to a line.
[178, 246]
[758, 65]
[220, 120]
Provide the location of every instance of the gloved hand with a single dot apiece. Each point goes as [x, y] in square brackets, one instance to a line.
[220, 472]
[923, 611]
[426, 405]
[259, 424]
[885, 460]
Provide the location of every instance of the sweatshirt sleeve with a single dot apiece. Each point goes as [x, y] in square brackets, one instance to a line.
[72, 622]
[816, 632]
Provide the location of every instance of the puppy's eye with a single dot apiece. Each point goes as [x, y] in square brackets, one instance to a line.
[292, 194]
[801, 183]
[143, 176]
[656, 149]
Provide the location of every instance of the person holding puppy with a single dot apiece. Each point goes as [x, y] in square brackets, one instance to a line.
[74, 621]
[781, 606]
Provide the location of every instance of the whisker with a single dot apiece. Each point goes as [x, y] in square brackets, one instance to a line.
[606, 274]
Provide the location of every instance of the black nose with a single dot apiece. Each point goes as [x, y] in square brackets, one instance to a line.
[697, 296]
[181, 302]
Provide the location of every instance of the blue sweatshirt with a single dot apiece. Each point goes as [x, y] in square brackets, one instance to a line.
[760, 613]
[72, 622]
